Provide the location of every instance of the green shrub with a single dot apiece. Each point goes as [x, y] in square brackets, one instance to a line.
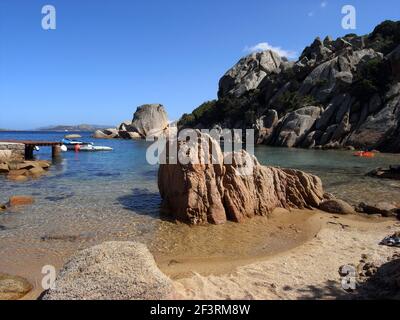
[293, 101]
[204, 114]
[373, 78]
[385, 37]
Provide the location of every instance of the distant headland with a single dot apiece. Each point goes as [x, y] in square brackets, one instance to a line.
[79, 127]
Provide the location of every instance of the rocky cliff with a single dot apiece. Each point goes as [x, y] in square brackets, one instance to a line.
[340, 93]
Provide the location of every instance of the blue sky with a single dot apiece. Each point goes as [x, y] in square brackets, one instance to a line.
[107, 57]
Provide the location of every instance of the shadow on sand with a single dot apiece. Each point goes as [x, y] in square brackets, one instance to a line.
[143, 202]
[330, 290]
[383, 285]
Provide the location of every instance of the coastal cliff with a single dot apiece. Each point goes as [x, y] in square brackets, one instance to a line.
[340, 93]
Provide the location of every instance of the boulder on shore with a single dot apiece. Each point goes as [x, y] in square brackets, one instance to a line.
[383, 208]
[336, 206]
[200, 193]
[112, 271]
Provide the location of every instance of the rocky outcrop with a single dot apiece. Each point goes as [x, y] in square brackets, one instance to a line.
[382, 208]
[106, 134]
[112, 271]
[391, 173]
[353, 80]
[265, 126]
[296, 125]
[21, 171]
[215, 187]
[149, 121]
[248, 73]
[394, 59]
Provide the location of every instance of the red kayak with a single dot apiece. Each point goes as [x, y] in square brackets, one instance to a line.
[364, 154]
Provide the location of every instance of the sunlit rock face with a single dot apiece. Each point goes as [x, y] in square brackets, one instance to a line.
[230, 186]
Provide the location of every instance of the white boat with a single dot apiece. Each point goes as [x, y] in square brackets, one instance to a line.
[92, 148]
[83, 146]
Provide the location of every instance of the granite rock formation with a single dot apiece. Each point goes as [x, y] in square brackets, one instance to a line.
[214, 187]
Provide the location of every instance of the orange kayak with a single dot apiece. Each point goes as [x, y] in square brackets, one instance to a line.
[364, 154]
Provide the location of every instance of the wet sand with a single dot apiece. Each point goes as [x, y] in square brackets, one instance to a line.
[309, 271]
[232, 245]
[179, 249]
[288, 255]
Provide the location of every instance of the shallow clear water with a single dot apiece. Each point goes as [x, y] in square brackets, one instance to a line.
[342, 174]
[88, 198]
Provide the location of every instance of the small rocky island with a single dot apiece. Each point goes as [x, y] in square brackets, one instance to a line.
[149, 121]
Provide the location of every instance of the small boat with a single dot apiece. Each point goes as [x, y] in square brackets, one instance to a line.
[92, 148]
[83, 146]
[364, 154]
[71, 144]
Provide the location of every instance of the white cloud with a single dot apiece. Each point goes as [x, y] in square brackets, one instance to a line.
[310, 14]
[324, 4]
[263, 46]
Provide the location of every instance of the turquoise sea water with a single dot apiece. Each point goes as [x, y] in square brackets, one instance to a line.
[87, 198]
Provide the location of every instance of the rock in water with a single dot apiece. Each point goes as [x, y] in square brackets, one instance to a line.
[73, 136]
[106, 134]
[20, 201]
[200, 193]
[112, 271]
[13, 287]
[150, 120]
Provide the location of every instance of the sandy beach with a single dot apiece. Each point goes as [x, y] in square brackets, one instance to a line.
[309, 271]
[305, 264]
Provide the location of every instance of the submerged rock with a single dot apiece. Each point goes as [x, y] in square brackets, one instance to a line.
[112, 271]
[13, 287]
[20, 201]
[199, 193]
